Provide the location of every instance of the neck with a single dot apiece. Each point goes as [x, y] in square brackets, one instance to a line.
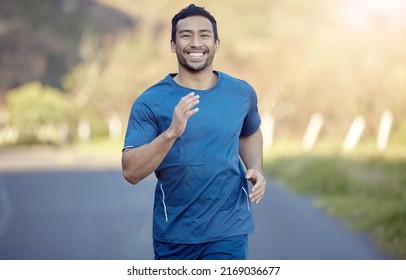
[202, 80]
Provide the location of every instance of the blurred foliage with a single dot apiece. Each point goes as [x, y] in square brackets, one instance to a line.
[302, 57]
[39, 39]
[340, 58]
[366, 189]
[108, 78]
[34, 105]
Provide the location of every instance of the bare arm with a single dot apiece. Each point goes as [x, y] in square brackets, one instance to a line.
[251, 154]
[139, 162]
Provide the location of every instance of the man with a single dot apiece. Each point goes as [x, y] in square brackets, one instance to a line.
[202, 207]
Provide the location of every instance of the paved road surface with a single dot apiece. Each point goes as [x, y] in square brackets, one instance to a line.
[92, 214]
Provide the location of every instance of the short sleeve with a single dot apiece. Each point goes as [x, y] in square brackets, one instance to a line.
[142, 127]
[252, 120]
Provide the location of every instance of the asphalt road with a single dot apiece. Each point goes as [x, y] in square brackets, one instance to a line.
[95, 214]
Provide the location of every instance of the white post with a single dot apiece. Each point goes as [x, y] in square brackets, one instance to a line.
[84, 130]
[63, 131]
[384, 130]
[267, 128]
[115, 127]
[354, 133]
[8, 135]
[312, 131]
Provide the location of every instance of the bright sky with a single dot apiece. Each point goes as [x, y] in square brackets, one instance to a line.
[360, 13]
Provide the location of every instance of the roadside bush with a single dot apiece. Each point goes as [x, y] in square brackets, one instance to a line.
[34, 106]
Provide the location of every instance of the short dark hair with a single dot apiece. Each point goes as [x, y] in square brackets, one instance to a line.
[189, 11]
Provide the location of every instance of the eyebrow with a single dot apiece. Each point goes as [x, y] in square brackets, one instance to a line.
[190, 31]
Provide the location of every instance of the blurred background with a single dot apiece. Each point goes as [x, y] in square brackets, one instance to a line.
[330, 78]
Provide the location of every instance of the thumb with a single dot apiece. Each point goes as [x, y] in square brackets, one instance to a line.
[249, 173]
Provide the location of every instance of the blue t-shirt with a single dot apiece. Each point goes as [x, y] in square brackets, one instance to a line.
[201, 193]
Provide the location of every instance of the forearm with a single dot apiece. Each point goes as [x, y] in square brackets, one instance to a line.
[251, 155]
[250, 150]
[139, 162]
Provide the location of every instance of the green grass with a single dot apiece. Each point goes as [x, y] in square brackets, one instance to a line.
[365, 188]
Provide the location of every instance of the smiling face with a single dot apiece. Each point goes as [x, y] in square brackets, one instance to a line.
[195, 44]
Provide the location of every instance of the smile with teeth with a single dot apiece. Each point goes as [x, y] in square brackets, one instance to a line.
[196, 54]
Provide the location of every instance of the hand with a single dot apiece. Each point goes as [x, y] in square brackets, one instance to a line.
[183, 111]
[259, 184]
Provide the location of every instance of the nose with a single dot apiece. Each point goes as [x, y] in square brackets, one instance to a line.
[196, 41]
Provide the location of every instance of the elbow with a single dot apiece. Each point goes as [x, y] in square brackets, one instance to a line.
[133, 170]
[130, 177]
[129, 171]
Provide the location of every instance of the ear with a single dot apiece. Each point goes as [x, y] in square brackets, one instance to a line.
[173, 46]
[217, 45]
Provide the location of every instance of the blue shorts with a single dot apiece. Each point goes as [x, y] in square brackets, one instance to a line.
[231, 248]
